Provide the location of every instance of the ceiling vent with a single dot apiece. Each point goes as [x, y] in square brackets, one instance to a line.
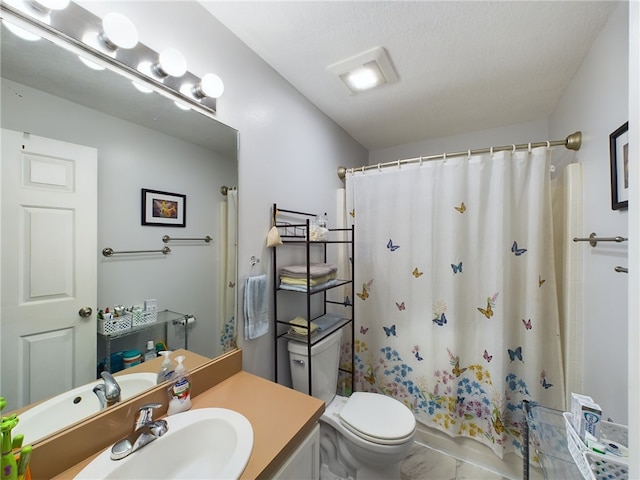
[365, 71]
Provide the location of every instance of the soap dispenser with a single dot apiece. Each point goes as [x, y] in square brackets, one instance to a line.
[180, 389]
[167, 370]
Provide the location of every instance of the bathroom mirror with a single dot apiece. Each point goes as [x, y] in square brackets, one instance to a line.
[131, 132]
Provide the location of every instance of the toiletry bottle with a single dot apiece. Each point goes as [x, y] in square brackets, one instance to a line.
[150, 354]
[167, 370]
[180, 389]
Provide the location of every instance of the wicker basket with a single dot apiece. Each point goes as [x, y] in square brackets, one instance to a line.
[595, 466]
[114, 325]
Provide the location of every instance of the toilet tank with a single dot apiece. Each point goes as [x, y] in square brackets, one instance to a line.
[325, 360]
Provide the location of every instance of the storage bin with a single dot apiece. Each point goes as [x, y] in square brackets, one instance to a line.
[144, 318]
[595, 466]
[114, 325]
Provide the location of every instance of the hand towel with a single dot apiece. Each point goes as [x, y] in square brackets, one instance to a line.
[256, 307]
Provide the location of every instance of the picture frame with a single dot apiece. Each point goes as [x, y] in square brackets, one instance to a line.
[619, 158]
[163, 208]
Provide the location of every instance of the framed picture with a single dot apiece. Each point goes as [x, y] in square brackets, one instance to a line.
[619, 156]
[163, 208]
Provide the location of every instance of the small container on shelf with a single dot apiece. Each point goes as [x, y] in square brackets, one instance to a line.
[143, 317]
[593, 465]
[131, 358]
[114, 325]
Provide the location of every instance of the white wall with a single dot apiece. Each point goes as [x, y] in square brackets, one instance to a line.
[596, 102]
[289, 151]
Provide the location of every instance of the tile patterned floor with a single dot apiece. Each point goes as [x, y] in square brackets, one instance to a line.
[424, 463]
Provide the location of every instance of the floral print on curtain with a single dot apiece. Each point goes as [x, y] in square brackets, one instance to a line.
[455, 294]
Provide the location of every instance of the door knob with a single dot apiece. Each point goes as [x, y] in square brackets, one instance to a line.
[85, 312]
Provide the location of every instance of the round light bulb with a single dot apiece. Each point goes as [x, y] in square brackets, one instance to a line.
[90, 64]
[210, 86]
[118, 31]
[47, 6]
[170, 62]
[181, 106]
[21, 32]
[141, 88]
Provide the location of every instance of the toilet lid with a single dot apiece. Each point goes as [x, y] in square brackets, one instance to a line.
[378, 418]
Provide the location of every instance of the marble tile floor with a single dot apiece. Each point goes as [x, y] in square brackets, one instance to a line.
[424, 463]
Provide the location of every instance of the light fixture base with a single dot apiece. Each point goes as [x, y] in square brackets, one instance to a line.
[364, 71]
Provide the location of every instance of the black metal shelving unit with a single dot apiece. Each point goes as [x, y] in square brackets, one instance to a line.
[296, 232]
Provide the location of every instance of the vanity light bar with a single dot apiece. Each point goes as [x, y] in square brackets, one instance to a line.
[66, 29]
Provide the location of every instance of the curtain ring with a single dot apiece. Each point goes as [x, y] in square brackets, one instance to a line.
[399, 167]
[363, 169]
[491, 151]
[444, 157]
[548, 144]
[379, 167]
[420, 160]
[514, 148]
[529, 148]
[468, 154]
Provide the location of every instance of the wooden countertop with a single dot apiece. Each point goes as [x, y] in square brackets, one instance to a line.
[281, 418]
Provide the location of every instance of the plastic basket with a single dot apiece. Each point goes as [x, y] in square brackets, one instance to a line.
[144, 318]
[592, 465]
[114, 325]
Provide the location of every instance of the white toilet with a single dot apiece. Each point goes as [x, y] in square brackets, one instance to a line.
[363, 436]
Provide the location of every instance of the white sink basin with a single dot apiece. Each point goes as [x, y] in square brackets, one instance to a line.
[62, 410]
[211, 443]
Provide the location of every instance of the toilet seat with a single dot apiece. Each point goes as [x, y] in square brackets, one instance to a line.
[377, 418]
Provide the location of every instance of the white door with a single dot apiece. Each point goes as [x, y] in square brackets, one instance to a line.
[48, 247]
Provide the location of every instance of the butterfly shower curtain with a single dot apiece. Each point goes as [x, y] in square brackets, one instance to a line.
[228, 259]
[456, 302]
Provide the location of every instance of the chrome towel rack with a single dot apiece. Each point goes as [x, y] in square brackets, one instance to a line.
[167, 239]
[594, 239]
[108, 252]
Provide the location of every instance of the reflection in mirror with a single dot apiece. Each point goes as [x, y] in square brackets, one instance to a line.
[67, 130]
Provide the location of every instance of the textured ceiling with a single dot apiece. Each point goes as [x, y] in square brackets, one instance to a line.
[463, 66]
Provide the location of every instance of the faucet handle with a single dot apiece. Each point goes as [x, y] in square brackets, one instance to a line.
[145, 414]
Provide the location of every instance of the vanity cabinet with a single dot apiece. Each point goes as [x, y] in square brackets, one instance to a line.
[304, 462]
[164, 318]
[294, 229]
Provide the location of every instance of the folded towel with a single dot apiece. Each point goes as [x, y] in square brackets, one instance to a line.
[256, 307]
[303, 288]
[328, 320]
[315, 270]
[303, 281]
[301, 326]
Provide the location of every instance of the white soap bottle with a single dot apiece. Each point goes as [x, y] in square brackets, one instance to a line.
[150, 353]
[180, 389]
[167, 370]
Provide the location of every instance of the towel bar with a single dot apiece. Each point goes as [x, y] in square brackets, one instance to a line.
[594, 239]
[108, 252]
[167, 239]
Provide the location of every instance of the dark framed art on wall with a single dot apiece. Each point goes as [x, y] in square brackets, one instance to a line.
[619, 157]
[164, 208]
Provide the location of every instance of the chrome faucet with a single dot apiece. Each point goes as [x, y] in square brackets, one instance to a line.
[145, 430]
[108, 392]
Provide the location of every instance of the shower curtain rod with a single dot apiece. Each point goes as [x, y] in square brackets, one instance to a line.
[572, 142]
